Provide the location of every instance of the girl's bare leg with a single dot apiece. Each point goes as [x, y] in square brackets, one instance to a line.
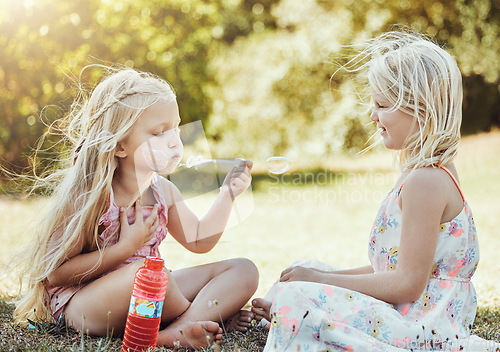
[102, 306]
[217, 292]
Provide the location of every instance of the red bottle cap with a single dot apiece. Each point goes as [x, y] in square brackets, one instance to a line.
[154, 263]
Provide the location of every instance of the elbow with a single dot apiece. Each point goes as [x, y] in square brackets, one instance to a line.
[410, 289]
[55, 279]
[200, 249]
[413, 294]
[202, 246]
[52, 279]
[197, 251]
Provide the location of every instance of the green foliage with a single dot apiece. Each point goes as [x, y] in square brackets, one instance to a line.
[45, 44]
[275, 86]
[256, 72]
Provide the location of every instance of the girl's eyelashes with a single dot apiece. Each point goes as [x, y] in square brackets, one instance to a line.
[162, 132]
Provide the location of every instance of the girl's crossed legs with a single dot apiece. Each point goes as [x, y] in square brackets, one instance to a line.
[196, 299]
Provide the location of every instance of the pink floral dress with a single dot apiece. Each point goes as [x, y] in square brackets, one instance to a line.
[58, 297]
[310, 316]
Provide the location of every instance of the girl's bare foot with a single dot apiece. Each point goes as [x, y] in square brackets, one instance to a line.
[191, 335]
[262, 309]
[241, 321]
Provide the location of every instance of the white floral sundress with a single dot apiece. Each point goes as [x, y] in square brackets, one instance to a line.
[311, 317]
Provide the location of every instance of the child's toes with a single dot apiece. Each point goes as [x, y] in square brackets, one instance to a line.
[218, 337]
[261, 308]
[212, 327]
[246, 315]
[245, 320]
[241, 321]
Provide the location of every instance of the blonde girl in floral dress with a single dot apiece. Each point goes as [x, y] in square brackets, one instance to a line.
[416, 294]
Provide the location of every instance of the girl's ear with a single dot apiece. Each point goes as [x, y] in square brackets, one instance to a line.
[120, 152]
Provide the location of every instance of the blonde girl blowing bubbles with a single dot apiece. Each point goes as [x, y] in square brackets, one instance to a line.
[416, 293]
[111, 209]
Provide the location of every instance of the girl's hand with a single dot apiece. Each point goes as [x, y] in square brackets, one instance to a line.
[238, 179]
[134, 236]
[299, 273]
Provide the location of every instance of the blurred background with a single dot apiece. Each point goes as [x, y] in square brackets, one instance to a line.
[242, 67]
[258, 75]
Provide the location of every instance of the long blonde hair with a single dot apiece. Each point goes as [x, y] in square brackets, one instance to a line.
[81, 188]
[421, 79]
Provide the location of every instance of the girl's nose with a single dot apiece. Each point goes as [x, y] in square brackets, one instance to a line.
[174, 141]
[374, 116]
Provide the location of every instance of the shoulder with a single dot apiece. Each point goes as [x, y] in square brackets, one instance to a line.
[425, 185]
[427, 177]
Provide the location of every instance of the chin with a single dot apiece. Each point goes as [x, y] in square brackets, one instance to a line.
[167, 170]
[392, 146]
[387, 144]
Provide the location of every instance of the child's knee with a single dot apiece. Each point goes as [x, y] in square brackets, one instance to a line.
[134, 266]
[248, 271]
[170, 277]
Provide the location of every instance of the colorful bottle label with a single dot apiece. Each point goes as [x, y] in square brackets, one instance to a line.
[145, 308]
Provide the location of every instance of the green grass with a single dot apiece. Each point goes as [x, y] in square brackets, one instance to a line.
[60, 338]
[325, 213]
[56, 338]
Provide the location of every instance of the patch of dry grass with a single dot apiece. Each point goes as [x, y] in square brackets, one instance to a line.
[59, 338]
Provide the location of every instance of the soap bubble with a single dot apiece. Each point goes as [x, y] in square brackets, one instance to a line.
[278, 164]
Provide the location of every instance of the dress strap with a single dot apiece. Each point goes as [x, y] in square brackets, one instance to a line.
[399, 192]
[401, 186]
[157, 190]
[454, 180]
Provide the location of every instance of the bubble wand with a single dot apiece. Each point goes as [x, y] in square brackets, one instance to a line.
[275, 164]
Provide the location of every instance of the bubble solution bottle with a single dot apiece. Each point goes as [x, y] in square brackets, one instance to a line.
[146, 303]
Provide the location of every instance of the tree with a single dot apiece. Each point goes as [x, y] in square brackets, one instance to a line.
[237, 65]
[286, 73]
[45, 44]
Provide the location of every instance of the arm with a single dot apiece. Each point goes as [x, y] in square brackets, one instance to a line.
[200, 236]
[424, 200]
[81, 267]
[368, 269]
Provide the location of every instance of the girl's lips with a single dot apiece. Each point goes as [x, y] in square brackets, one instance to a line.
[176, 158]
